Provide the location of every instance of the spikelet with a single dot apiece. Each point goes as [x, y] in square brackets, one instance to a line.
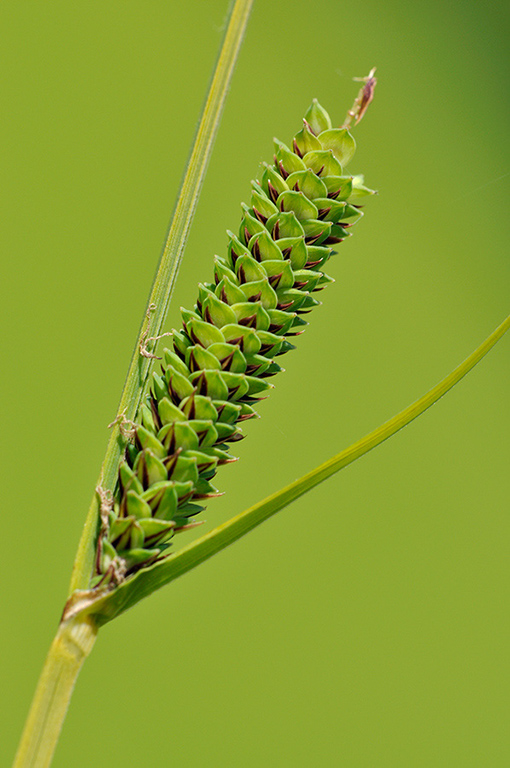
[225, 353]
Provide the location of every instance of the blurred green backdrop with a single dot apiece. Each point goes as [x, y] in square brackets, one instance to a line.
[366, 625]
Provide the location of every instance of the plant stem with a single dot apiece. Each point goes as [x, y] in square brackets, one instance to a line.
[166, 274]
[75, 638]
[71, 646]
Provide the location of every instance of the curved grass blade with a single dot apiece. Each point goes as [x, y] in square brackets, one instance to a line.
[147, 581]
[166, 275]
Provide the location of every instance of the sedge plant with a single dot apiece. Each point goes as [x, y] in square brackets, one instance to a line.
[182, 411]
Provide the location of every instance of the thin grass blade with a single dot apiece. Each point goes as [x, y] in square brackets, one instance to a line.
[151, 579]
[166, 276]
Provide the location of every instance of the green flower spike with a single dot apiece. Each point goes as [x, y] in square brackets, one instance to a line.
[224, 354]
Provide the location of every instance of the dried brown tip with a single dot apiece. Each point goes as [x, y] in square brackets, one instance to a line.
[362, 100]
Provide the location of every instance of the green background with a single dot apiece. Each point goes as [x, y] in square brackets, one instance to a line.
[367, 624]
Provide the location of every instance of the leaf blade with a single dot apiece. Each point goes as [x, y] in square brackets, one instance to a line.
[145, 582]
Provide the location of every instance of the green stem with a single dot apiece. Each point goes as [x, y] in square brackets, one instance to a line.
[71, 646]
[107, 607]
[166, 274]
[75, 637]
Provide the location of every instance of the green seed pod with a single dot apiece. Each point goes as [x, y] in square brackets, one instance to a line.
[198, 358]
[286, 162]
[298, 203]
[248, 269]
[178, 435]
[126, 533]
[272, 182]
[136, 506]
[228, 413]
[306, 140]
[294, 249]
[263, 247]
[262, 206]
[323, 163]
[135, 558]
[339, 187]
[285, 224]
[229, 292]
[235, 249]
[179, 386]
[308, 183]
[223, 357]
[171, 359]
[218, 313]
[247, 340]
[182, 468]
[149, 469]
[340, 142]
[155, 531]
[146, 439]
[359, 191]
[221, 270]
[229, 356]
[181, 343]
[169, 412]
[162, 499]
[128, 480]
[204, 333]
[250, 225]
[317, 118]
